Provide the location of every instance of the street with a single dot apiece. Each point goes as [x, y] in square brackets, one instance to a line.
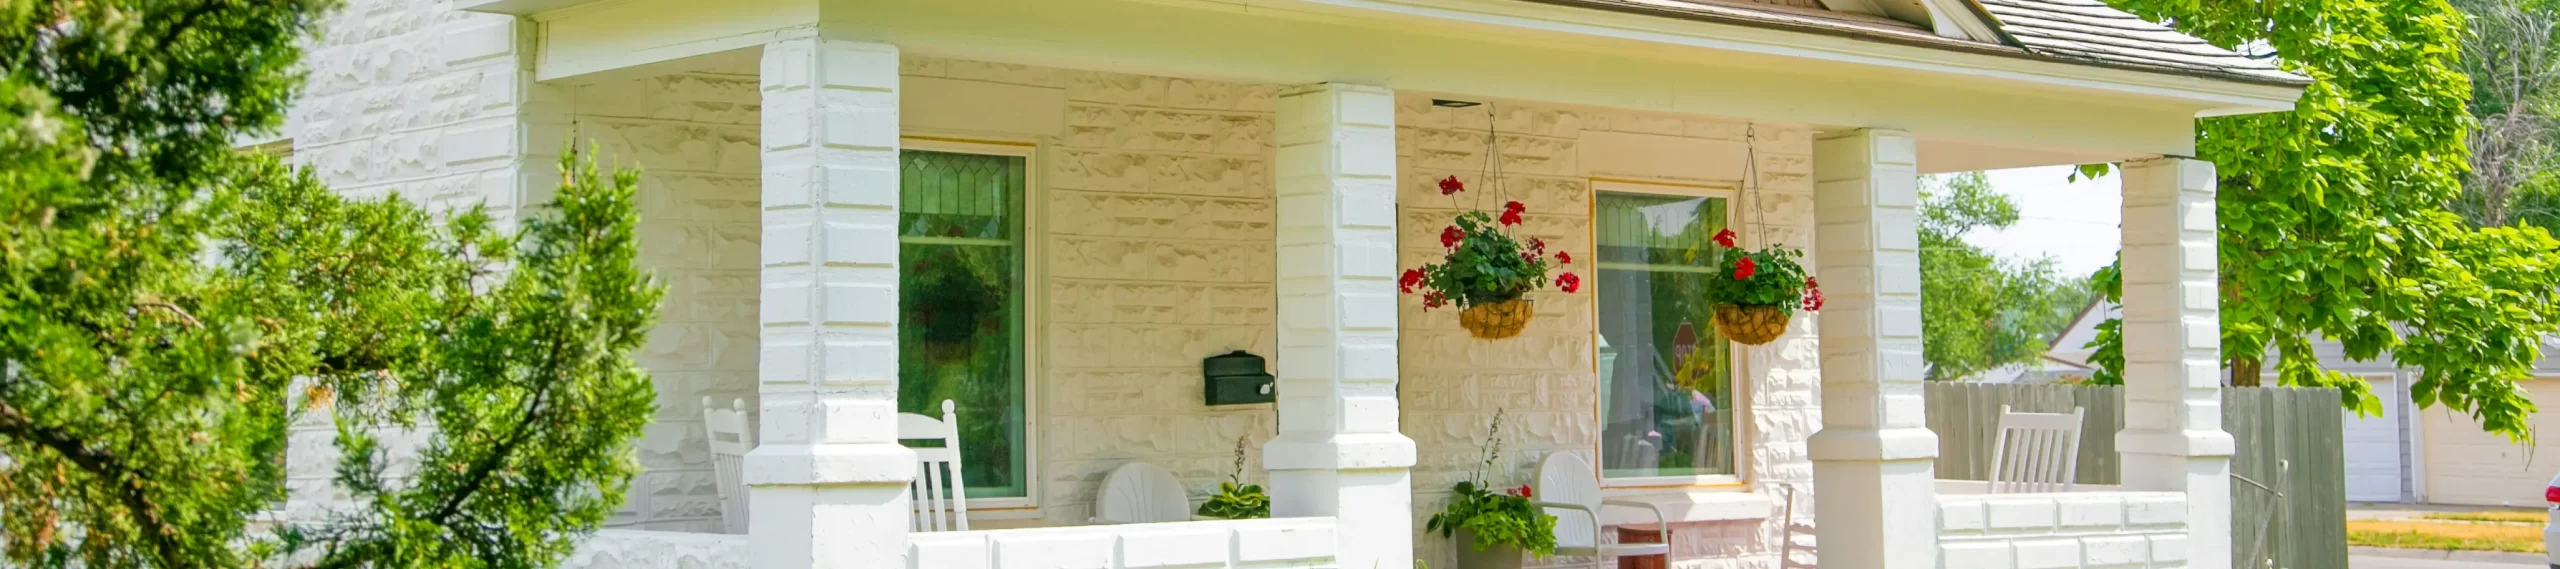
[2372, 562]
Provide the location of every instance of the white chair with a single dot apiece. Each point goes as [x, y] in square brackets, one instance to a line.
[732, 435]
[1569, 489]
[2036, 452]
[1140, 493]
[940, 498]
[1788, 546]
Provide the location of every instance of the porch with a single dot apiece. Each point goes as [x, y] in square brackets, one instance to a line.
[1198, 179]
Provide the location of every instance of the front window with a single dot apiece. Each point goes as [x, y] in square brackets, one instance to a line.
[1666, 379]
[960, 302]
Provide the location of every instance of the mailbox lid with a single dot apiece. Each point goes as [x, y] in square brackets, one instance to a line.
[1238, 362]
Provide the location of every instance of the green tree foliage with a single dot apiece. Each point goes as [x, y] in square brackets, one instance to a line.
[1982, 311]
[2335, 220]
[163, 296]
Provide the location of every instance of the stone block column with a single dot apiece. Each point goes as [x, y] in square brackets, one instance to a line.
[2173, 438]
[1339, 451]
[828, 481]
[1873, 462]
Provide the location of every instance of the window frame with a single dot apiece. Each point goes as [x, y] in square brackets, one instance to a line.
[1744, 435]
[1034, 298]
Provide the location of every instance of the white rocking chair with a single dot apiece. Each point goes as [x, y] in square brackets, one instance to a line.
[1570, 490]
[940, 498]
[2036, 452]
[1140, 493]
[732, 435]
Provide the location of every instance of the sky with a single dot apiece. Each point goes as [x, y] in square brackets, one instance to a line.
[2075, 223]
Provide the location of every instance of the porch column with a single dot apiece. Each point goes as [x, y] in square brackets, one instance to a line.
[2173, 438]
[828, 482]
[1873, 471]
[1339, 451]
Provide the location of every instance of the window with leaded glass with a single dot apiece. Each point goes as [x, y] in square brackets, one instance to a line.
[960, 328]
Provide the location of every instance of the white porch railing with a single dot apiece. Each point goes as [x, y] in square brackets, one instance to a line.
[2097, 527]
[1284, 542]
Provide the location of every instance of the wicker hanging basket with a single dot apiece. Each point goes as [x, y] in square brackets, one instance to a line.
[1497, 320]
[1750, 325]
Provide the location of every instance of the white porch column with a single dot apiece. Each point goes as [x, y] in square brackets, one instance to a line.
[2173, 438]
[828, 483]
[1873, 471]
[1339, 451]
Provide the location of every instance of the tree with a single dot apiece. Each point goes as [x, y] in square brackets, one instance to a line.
[2512, 55]
[2334, 217]
[161, 294]
[1981, 311]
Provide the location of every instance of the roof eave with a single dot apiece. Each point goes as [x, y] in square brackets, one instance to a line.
[2235, 94]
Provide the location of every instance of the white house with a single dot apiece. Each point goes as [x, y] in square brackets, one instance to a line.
[1135, 185]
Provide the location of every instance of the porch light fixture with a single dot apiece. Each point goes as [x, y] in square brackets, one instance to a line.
[1236, 378]
[1453, 103]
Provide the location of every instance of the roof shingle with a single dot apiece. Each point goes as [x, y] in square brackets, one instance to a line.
[2090, 30]
[2086, 32]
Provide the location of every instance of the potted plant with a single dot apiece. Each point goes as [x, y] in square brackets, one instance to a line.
[1493, 528]
[1486, 271]
[1235, 499]
[1755, 292]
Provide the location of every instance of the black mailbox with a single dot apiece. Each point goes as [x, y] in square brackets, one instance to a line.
[1236, 378]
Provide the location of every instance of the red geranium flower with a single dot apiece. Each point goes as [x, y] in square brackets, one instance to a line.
[1537, 246]
[1451, 236]
[1411, 277]
[1812, 295]
[1564, 258]
[1451, 185]
[1724, 237]
[1511, 213]
[1432, 300]
[1569, 282]
[1743, 269]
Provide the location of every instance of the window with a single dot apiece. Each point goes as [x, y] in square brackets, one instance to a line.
[961, 305]
[1667, 395]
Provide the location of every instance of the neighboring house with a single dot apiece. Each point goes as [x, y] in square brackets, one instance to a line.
[1116, 189]
[2441, 457]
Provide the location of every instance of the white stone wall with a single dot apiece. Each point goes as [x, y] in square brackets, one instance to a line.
[1294, 542]
[1544, 378]
[1154, 245]
[694, 136]
[412, 97]
[2081, 530]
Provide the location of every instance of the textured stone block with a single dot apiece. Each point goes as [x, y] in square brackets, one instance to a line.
[1975, 555]
[2046, 553]
[2020, 514]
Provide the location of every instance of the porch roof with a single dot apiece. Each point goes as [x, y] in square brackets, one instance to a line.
[2085, 32]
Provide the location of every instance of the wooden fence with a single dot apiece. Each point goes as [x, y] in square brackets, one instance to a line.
[2290, 440]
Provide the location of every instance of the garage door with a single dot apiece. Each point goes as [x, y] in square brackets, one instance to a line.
[2467, 466]
[2373, 447]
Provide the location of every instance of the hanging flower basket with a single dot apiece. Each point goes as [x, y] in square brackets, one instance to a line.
[1487, 272]
[1755, 292]
[1497, 320]
[1750, 325]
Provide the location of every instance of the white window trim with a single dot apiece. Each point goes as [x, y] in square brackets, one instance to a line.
[1743, 435]
[1034, 276]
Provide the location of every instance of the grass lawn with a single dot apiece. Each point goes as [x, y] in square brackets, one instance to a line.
[2520, 516]
[2445, 535]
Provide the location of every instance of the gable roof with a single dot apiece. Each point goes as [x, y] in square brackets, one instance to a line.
[2082, 32]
